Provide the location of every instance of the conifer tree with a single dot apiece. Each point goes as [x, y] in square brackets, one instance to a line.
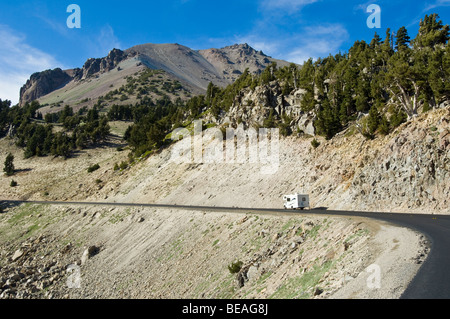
[432, 32]
[404, 82]
[402, 39]
[306, 82]
[9, 165]
[376, 41]
[373, 120]
[327, 122]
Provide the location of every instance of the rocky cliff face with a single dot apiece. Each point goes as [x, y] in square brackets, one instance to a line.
[252, 106]
[102, 65]
[231, 61]
[410, 171]
[43, 83]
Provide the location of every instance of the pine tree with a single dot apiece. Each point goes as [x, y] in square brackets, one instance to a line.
[373, 120]
[9, 165]
[402, 39]
[306, 82]
[431, 32]
[384, 126]
[438, 69]
[327, 122]
[386, 48]
[376, 41]
[404, 81]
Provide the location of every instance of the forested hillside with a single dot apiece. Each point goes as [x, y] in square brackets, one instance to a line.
[381, 84]
[375, 86]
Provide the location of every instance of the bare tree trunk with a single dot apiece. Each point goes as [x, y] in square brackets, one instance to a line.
[409, 102]
[295, 79]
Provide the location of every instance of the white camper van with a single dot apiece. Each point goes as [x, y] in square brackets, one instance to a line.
[296, 201]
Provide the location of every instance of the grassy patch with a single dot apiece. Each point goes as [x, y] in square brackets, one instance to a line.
[359, 233]
[288, 225]
[119, 216]
[313, 231]
[23, 221]
[302, 286]
[226, 288]
[175, 249]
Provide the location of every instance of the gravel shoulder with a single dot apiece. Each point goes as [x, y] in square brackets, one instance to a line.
[398, 257]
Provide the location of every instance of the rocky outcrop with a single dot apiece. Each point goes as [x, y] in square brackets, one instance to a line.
[231, 61]
[253, 106]
[42, 83]
[102, 65]
[410, 171]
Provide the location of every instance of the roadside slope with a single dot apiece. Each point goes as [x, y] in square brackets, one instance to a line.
[163, 253]
[406, 171]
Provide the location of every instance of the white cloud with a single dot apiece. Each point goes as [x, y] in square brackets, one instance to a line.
[302, 42]
[308, 42]
[364, 6]
[436, 4]
[99, 46]
[293, 5]
[108, 39]
[319, 41]
[18, 61]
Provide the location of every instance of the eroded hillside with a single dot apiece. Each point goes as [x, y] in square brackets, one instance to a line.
[405, 171]
[149, 253]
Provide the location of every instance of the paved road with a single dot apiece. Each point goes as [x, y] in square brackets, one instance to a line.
[431, 282]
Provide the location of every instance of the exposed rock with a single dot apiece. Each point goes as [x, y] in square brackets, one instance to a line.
[253, 106]
[318, 291]
[33, 273]
[101, 65]
[17, 254]
[42, 83]
[252, 273]
[89, 253]
[231, 61]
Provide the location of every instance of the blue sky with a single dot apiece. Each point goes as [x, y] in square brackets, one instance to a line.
[35, 36]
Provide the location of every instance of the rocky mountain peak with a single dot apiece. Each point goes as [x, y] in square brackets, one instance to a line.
[42, 83]
[244, 48]
[194, 68]
[101, 65]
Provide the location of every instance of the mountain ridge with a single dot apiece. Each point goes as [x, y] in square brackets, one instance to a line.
[194, 68]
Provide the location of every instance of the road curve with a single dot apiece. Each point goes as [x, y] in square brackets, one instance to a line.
[431, 282]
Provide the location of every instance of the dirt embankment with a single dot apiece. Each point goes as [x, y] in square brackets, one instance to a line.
[148, 253]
